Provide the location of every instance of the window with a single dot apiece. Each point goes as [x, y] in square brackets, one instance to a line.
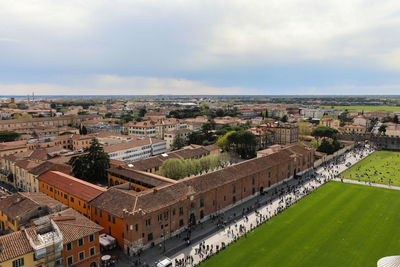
[95, 211]
[113, 219]
[91, 238]
[70, 260]
[18, 262]
[253, 180]
[109, 217]
[173, 212]
[180, 222]
[233, 189]
[233, 200]
[51, 189]
[69, 246]
[159, 217]
[101, 213]
[65, 196]
[166, 215]
[81, 255]
[148, 222]
[72, 199]
[181, 211]
[201, 202]
[80, 242]
[136, 227]
[150, 236]
[92, 251]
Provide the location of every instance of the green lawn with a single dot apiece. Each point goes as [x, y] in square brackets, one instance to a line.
[366, 108]
[378, 167]
[337, 225]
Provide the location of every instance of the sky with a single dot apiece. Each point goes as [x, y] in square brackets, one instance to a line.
[245, 47]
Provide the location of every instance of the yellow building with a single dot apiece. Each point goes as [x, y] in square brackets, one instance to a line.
[330, 122]
[18, 209]
[26, 248]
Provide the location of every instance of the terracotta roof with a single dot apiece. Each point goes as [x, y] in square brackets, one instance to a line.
[27, 164]
[18, 204]
[50, 166]
[74, 225]
[107, 201]
[13, 145]
[14, 245]
[143, 177]
[69, 184]
[43, 199]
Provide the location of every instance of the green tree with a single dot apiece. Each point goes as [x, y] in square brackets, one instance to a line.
[8, 136]
[323, 131]
[223, 141]
[91, 166]
[142, 112]
[83, 130]
[178, 143]
[284, 118]
[12, 105]
[382, 128]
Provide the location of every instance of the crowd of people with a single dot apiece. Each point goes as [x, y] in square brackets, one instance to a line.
[268, 204]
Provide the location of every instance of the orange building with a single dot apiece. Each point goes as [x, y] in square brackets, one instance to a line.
[81, 245]
[110, 217]
[71, 191]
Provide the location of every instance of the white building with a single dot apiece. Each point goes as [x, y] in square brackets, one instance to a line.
[136, 149]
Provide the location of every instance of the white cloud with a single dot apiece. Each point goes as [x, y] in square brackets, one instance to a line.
[117, 85]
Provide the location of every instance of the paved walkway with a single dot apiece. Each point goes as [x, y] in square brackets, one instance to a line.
[367, 183]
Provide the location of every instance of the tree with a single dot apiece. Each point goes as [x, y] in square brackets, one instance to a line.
[284, 118]
[12, 105]
[26, 116]
[219, 113]
[93, 165]
[83, 130]
[304, 128]
[382, 128]
[178, 143]
[396, 119]
[323, 131]
[203, 105]
[179, 168]
[9, 136]
[142, 112]
[223, 142]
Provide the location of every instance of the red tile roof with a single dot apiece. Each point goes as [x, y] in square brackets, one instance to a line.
[14, 245]
[71, 185]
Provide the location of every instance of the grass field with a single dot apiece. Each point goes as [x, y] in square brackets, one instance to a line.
[337, 225]
[377, 168]
[366, 108]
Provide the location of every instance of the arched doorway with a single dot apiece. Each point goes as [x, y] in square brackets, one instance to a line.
[192, 219]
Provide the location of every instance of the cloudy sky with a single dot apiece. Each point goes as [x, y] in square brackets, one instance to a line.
[200, 47]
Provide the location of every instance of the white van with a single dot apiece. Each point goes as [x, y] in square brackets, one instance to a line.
[166, 262]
